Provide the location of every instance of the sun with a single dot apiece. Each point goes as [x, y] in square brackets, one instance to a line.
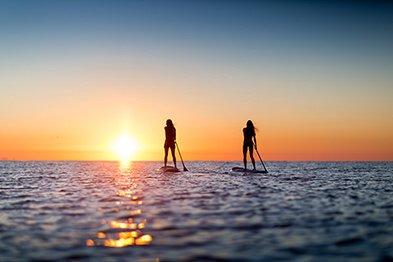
[125, 147]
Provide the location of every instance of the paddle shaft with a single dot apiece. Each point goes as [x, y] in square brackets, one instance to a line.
[260, 158]
[181, 158]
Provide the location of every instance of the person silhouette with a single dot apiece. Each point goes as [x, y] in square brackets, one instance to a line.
[170, 140]
[248, 143]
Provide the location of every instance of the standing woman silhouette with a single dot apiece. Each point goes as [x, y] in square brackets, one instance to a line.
[170, 140]
[248, 143]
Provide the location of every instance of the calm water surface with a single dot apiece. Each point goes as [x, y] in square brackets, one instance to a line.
[102, 210]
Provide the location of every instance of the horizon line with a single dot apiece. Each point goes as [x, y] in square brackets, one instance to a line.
[201, 160]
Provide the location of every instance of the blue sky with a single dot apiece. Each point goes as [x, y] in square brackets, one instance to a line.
[362, 28]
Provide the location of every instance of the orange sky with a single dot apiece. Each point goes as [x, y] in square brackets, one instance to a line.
[86, 129]
[80, 116]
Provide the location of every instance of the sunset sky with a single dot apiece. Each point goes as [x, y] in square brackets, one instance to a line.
[315, 77]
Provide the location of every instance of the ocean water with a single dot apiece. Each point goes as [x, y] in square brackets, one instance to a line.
[317, 211]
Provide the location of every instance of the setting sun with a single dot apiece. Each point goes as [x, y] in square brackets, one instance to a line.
[125, 148]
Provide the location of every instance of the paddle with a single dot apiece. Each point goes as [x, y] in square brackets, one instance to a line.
[260, 158]
[181, 158]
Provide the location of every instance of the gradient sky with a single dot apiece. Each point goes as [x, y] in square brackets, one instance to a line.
[315, 77]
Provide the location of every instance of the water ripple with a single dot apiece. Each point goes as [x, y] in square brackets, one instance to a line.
[101, 210]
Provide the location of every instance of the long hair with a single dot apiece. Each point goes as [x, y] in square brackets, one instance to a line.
[169, 123]
[250, 127]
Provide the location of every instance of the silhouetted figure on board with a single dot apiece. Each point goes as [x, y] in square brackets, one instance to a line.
[170, 140]
[249, 142]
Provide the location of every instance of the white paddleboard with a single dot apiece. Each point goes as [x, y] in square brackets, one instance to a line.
[243, 170]
[168, 169]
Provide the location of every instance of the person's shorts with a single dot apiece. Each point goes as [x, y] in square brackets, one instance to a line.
[248, 146]
[169, 145]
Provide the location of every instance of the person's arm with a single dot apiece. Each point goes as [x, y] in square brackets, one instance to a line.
[255, 142]
[174, 135]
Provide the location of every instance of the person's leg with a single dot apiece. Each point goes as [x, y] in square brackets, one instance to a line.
[173, 155]
[252, 156]
[166, 155]
[245, 156]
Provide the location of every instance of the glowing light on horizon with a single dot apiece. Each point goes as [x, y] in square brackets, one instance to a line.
[125, 147]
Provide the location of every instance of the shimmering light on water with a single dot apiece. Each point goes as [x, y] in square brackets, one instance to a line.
[125, 165]
[122, 242]
[133, 234]
[89, 243]
[144, 240]
[115, 237]
[125, 193]
[98, 211]
[101, 235]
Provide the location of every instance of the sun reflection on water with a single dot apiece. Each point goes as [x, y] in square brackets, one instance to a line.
[122, 233]
[125, 231]
[125, 165]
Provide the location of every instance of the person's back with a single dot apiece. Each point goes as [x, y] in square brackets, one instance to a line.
[248, 135]
[170, 135]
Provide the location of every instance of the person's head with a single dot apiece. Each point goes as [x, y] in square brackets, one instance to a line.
[250, 125]
[169, 122]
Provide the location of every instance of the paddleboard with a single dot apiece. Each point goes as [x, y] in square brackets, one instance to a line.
[243, 170]
[169, 169]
